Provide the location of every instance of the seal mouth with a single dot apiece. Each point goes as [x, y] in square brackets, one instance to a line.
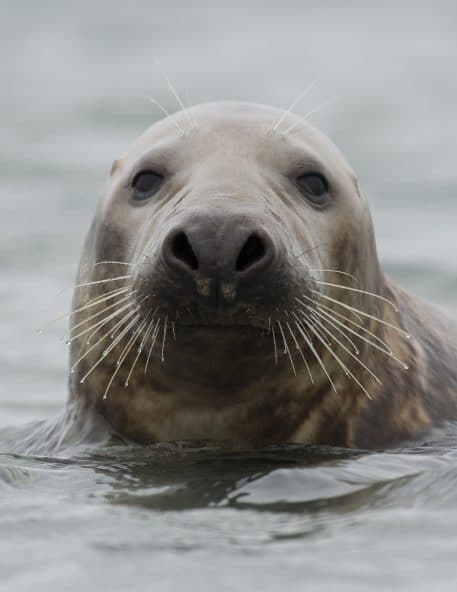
[221, 326]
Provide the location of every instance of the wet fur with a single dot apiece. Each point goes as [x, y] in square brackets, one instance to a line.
[243, 396]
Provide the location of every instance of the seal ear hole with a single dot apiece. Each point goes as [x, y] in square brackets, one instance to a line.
[182, 250]
[253, 250]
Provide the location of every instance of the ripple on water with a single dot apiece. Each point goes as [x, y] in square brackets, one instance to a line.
[295, 505]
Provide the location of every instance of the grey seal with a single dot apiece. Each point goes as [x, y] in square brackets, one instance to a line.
[230, 289]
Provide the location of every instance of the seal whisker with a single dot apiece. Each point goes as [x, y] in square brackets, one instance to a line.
[274, 343]
[358, 360]
[348, 373]
[97, 314]
[323, 312]
[361, 312]
[191, 110]
[90, 303]
[295, 126]
[110, 348]
[89, 339]
[340, 331]
[295, 102]
[174, 92]
[123, 355]
[388, 352]
[98, 324]
[105, 296]
[167, 114]
[345, 273]
[140, 347]
[164, 337]
[115, 279]
[153, 341]
[286, 347]
[101, 339]
[115, 262]
[300, 350]
[392, 304]
[332, 313]
[309, 343]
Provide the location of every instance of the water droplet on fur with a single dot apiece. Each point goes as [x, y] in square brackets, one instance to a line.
[405, 366]
[105, 353]
[408, 336]
[126, 383]
[357, 353]
[72, 371]
[139, 350]
[397, 309]
[67, 342]
[118, 363]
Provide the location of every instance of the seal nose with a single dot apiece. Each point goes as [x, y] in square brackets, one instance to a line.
[230, 252]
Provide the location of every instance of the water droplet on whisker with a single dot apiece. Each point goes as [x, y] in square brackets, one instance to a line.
[405, 366]
[82, 380]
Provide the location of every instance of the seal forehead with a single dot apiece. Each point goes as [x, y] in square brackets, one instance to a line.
[250, 127]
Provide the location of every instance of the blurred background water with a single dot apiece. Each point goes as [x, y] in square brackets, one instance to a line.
[74, 78]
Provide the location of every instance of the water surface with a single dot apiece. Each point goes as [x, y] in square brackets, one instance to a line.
[190, 516]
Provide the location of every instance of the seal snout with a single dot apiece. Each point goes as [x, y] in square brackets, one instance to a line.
[218, 250]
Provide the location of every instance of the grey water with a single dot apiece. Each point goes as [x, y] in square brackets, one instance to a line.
[188, 516]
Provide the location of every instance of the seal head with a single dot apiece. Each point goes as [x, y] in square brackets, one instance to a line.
[229, 288]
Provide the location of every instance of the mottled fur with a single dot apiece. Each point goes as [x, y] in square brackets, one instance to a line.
[219, 379]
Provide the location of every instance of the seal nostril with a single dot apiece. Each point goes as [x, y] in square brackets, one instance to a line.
[253, 250]
[183, 251]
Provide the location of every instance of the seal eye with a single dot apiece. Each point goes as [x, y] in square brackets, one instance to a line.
[145, 184]
[315, 187]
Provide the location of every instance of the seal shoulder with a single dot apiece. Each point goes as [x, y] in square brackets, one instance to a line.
[409, 404]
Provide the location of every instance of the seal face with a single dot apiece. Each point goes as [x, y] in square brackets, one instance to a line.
[229, 288]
